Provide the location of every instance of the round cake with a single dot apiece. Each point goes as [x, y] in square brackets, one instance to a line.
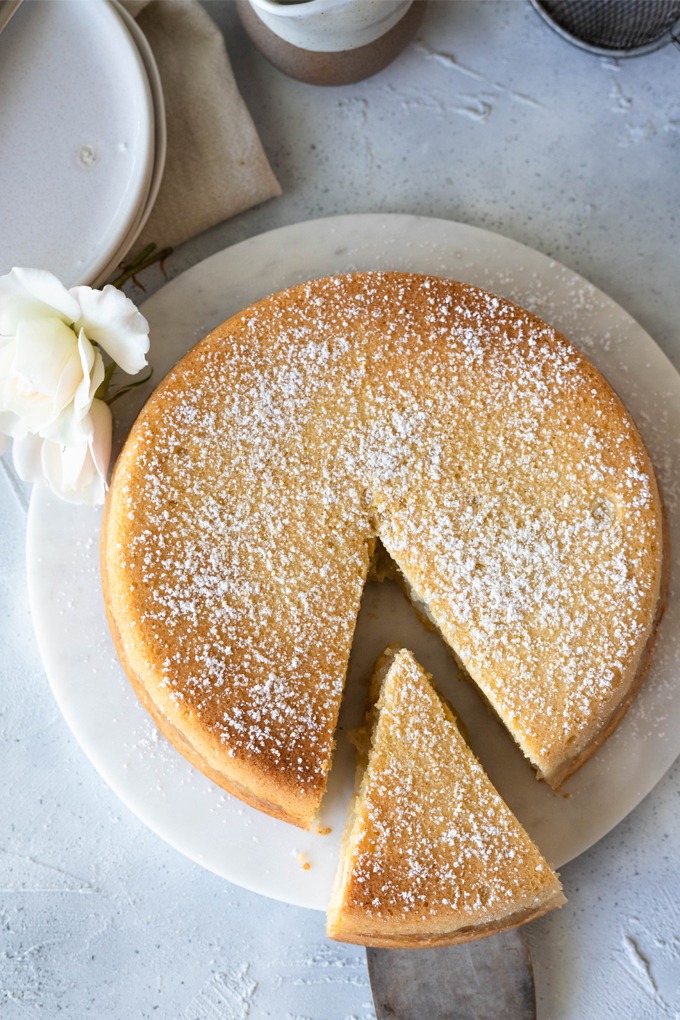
[497, 467]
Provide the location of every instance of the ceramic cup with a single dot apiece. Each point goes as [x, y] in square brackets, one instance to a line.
[331, 42]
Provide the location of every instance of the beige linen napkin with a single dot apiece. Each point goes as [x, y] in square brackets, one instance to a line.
[215, 166]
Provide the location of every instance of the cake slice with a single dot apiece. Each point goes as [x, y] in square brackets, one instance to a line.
[431, 854]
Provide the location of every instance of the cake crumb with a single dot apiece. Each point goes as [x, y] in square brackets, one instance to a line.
[302, 859]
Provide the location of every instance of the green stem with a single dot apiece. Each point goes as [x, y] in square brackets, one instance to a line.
[147, 257]
[130, 386]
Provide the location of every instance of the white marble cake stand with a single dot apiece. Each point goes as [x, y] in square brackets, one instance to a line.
[156, 783]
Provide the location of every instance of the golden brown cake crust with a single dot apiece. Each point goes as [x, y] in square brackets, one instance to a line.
[499, 469]
[431, 855]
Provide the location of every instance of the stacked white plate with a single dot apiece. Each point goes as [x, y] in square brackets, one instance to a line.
[82, 124]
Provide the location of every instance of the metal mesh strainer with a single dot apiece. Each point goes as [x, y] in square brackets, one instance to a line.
[615, 28]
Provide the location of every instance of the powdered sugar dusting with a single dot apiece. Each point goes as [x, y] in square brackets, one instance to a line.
[498, 469]
[431, 837]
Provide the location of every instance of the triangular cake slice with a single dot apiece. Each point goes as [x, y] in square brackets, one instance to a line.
[431, 855]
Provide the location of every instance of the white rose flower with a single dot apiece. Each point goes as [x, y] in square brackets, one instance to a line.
[51, 367]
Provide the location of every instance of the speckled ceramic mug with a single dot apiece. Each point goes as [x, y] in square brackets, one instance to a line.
[331, 42]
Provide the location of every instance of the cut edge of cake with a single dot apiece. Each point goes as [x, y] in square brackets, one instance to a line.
[562, 768]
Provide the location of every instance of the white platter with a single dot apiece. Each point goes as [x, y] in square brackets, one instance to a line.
[78, 138]
[176, 801]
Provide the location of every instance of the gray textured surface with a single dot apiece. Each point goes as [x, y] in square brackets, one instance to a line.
[491, 119]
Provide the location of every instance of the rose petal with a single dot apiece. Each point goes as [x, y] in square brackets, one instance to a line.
[10, 423]
[27, 456]
[66, 430]
[110, 319]
[92, 367]
[77, 472]
[100, 444]
[46, 357]
[44, 375]
[63, 465]
[33, 293]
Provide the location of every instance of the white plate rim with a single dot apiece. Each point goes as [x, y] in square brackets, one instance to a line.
[140, 202]
[160, 142]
